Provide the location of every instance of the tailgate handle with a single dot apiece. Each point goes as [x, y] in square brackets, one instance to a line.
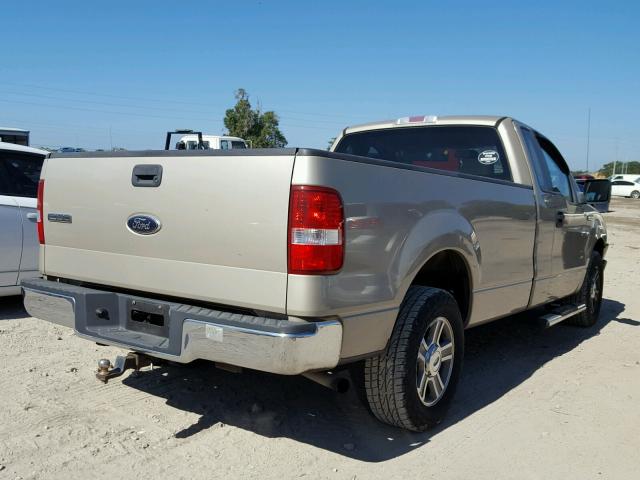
[146, 176]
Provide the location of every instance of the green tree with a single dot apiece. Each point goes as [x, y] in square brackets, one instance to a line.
[261, 129]
[331, 140]
[621, 167]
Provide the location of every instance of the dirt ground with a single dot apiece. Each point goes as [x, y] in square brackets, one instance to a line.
[561, 403]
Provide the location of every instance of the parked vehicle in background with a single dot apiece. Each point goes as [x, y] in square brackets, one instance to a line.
[14, 135]
[193, 140]
[625, 188]
[211, 142]
[630, 177]
[597, 192]
[19, 174]
[373, 257]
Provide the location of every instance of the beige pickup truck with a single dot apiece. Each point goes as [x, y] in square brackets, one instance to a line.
[376, 255]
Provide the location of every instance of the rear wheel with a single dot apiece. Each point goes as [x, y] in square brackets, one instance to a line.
[412, 383]
[635, 194]
[590, 294]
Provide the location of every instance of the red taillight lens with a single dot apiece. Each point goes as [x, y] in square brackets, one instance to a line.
[316, 230]
[40, 212]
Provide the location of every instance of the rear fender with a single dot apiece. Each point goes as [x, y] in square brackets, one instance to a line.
[434, 233]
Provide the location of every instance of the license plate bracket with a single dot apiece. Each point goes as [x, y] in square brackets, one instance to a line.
[148, 317]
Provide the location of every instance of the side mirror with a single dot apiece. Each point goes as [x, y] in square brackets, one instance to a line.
[596, 192]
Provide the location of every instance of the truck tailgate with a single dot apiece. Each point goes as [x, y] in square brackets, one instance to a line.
[223, 224]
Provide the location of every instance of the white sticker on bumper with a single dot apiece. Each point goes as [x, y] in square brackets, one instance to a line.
[214, 333]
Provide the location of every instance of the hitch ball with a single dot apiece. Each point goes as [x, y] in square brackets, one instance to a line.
[104, 365]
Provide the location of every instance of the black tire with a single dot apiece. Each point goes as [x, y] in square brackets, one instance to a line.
[594, 278]
[635, 194]
[391, 379]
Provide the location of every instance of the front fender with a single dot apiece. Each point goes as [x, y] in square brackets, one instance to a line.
[598, 231]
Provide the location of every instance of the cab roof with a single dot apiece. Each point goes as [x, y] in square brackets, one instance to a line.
[422, 120]
[12, 129]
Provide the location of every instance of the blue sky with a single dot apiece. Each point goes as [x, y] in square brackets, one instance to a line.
[90, 74]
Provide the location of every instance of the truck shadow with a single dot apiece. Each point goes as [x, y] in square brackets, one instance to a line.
[499, 356]
[12, 308]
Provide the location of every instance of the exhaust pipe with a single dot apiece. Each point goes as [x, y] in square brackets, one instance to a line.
[330, 380]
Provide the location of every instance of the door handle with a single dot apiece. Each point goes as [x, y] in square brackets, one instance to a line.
[33, 216]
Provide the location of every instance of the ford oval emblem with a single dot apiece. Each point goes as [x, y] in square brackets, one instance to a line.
[143, 224]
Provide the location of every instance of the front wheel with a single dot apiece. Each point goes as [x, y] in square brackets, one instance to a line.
[412, 384]
[590, 294]
[635, 194]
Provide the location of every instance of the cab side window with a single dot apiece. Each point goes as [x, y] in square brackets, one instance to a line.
[551, 170]
[559, 179]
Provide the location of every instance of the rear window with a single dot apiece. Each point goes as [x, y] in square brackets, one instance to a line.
[475, 150]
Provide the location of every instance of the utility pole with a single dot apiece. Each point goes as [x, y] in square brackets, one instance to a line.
[588, 136]
[110, 138]
[615, 161]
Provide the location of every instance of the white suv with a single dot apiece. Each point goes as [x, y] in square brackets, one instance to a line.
[19, 174]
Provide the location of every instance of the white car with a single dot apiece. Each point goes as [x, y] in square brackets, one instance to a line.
[19, 175]
[630, 177]
[625, 188]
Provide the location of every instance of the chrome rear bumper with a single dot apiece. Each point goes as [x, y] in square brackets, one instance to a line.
[271, 345]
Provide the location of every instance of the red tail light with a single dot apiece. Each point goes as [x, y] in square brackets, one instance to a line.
[40, 212]
[316, 230]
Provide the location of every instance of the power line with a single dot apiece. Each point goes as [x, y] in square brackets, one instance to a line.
[113, 112]
[68, 107]
[172, 100]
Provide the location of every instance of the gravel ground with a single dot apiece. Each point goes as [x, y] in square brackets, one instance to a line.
[560, 403]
